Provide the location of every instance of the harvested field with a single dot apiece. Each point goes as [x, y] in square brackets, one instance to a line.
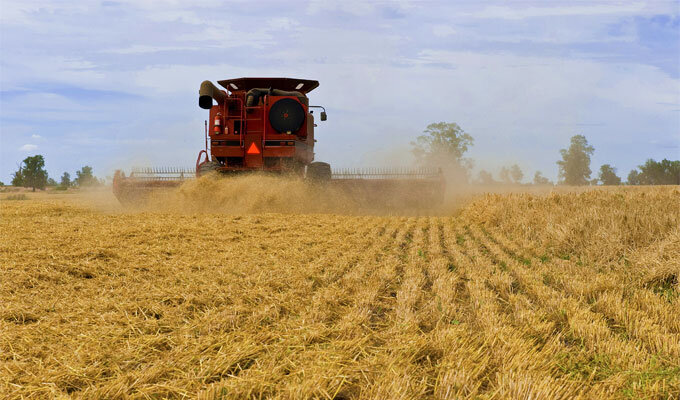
[555, 295]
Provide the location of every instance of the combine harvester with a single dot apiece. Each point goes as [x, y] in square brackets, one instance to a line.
[267, 125]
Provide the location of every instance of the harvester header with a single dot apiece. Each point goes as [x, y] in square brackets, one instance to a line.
[262, 124]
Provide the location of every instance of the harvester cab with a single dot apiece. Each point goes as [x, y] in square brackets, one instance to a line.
[267, 124]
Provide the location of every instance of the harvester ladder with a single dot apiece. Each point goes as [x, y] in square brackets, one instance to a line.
[263, 118]
[241, 116]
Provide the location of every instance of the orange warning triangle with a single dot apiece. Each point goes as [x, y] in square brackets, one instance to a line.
[253, 149]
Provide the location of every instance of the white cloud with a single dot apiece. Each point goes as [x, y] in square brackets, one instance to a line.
[185, 16]
[54, 107]
[28, 147]
[36, 137]
[355, 7]
[504, 12]
[359, 7]
[21, 12]
[25, 68]
[145, 49]
[224, 36]
[282, 23]
[533, 81]
[443, 30]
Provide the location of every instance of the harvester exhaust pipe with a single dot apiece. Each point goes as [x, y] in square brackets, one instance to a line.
[207, 93]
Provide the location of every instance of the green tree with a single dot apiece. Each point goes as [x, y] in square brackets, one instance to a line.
[608, 176]
[539, 179]
[443, 145]
[664, 172]
[18, 176]
[51, 182]
[516, 173]
[633, 177]
[485, 178]
[65, 180]
[574, 168]
[84, 177]
[32, 172]
[17, 179]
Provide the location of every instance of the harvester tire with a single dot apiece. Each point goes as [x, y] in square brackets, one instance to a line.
[207, 167]
[319, 172]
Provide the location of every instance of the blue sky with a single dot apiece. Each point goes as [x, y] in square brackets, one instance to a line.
[114, 83]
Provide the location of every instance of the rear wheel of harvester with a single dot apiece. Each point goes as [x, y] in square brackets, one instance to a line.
[319, 172]
[208, 167]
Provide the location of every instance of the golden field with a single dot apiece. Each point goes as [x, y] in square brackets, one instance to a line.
[564, 294]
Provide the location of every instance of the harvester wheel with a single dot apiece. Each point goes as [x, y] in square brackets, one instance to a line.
[207, 167]
[319, 172]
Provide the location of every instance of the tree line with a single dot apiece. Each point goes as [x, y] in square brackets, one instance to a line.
[574, 168]
[31, 173]
[445, 144]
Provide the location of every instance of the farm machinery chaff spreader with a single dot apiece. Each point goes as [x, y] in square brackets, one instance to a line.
[267, 125]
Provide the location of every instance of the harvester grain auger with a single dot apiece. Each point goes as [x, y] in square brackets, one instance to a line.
[267, 125]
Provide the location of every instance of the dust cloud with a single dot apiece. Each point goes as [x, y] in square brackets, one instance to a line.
[253, 194]
[266, 193]
[262, 193]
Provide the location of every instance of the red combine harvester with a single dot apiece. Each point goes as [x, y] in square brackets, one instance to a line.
[267, 124]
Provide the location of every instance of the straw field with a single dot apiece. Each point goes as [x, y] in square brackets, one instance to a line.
[528, 296]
